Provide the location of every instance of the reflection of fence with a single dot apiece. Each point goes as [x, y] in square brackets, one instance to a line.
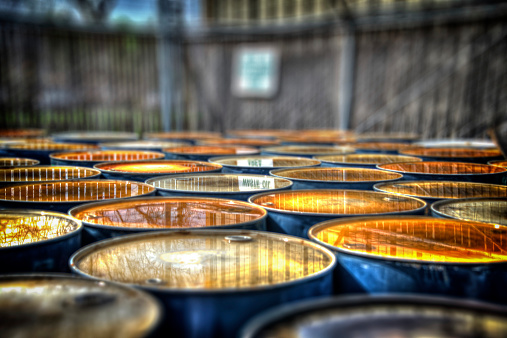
[445, 80]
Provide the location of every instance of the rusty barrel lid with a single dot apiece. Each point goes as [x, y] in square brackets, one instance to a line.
[9, 162]
[158, 213]
[417, 239]
[45, 173]
[141, 145]
[487, 210]
[219, 183]
[309, 151]
[453, 154]
[73, 191]
[382, 316]
[349, 175]
[211, 150]
[107, 156]
[249, 142]
[268, 162]
[336, 202]
[158, 167]
[205, 261]
[29, 227]
[365, 159]
[60, 305]
[184, 135]
[94, 137]
[443, 189]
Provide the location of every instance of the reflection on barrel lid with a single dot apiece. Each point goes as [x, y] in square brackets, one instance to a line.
[487, 210]
[184, 135]
[452, 152]
[443, 189]
[219, 183]
[141, 145]
[367, 158]
[336, 202]
[265, 161]
[108, 155]
[55, 305]
[22, 227]
[158, 167]
[499, 163]
[7, 162]
[251, 142]
[456, 143]
[45, 173]
[308, 150]
[212, 150]
[442, 168]
[74, 191]
[381, 316]
[168, 212]
[219, 260]
[336, 174]
[50, 146]
[415, 238]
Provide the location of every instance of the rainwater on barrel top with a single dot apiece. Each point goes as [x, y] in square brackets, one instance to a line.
[416, 238]
[169, 212]
[205, 260]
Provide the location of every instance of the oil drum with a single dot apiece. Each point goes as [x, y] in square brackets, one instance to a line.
[94, 137]
[204, 153]
[306, 150]
[91, 158]
[41, 150]
[368, 161]
[454, 154]
[36, 174]
[487, 210]
[261, 165]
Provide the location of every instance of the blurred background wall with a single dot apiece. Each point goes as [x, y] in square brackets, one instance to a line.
[432, 67]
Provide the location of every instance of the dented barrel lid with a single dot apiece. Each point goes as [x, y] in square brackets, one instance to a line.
[72, 191]
[336, 174]
[267, 161]
[156, 213]
[443, 189]
[219, 183]
[23, 227]
[107, 155]
[58, 305]
[45, 173]
[487, 210]
[157, 167]
[364, 159]
[337, 202]
[414, 238]
[219, 260]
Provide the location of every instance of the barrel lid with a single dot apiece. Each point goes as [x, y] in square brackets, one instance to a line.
[456, 143]
[44, 173]
[102, 136]
[261, 133]
[336, 174]
[73, 191]
[381, 316]
[108, 155]
[205, 261]
[499, 163]
[219, 183]
[452, 152]
[22, 133]
[142, 144]
[385, 137]
[17, 162]
[59, 305]
[487, 210]
[309, 150]
[264, 161]
[184, 135]
[212, 150]
[5, 143]
[156, 213]
[306, 138]
[381, 146]
[443, 189]
[28, 227]
[51, 146]
[336, 202]
[367, 159]
[250, 142]
[442, 168]
[414, 239]
[157, 167]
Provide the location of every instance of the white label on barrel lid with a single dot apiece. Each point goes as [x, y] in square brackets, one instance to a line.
[248, 183]
[255, 163]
